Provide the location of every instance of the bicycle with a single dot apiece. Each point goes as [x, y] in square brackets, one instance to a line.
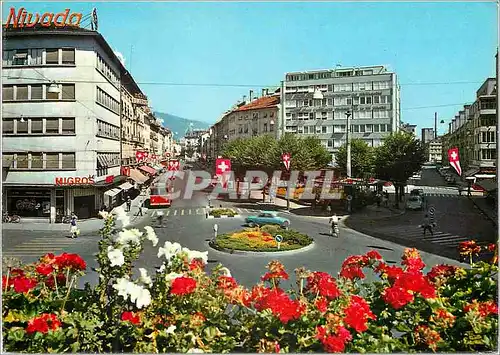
[10, 219]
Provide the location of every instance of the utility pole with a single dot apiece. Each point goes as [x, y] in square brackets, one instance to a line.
[281, 126]
[435, 125]
[348, 140]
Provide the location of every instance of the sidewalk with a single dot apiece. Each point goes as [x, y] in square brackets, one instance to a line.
[86, 226]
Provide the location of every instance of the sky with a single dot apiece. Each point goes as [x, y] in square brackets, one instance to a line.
[196, 59]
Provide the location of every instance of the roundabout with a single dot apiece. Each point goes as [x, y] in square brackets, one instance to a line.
[265, 239]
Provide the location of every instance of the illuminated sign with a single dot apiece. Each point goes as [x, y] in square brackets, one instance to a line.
[25, 19]
[68, 181]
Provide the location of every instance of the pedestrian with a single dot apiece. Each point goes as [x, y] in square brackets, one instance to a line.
[129, 203]
[73, 225]
[378, 199]
[427, 226]
[385, 199]
[139, 213]
[160, 218]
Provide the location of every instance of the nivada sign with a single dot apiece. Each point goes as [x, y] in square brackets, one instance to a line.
[67, 181]
[24, 18]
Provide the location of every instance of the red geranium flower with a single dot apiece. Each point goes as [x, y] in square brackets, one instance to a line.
[355, 260]
[323, 284]
[196, 264]
[391, 272]
[413, 264]
[44, 269]
[416, 282]
[276, 271]
[43, 323]
[352, 272]
[278, 303]
[183, 285]
[71, 261]
[321, 304]
[442, 270]
[23, 284]
[226, 283]
[357, 314]
[373, 254]
[397, 296]
[131, 317]
[333, 344]
[492, 247]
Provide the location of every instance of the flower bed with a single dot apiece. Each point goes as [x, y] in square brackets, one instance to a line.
[182, 308]
[262, 239]
[219, 212]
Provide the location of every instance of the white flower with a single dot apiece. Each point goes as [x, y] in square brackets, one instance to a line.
[128, 236]
[115, 256]
[144, 278]
[225, 271]
[171, 329]
[143, 298]
[121, 216]
[121, 286]
[169, 250]
[194, 254]
[172, 276]
[151, 235]
[162, 267]
[104, 214]
[195, 351]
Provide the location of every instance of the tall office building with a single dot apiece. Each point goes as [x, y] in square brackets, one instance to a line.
[427, 135]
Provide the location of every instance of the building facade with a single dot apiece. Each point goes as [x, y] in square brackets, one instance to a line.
[409, 128]
[473, 132]
[428, 135]
[434, 151]
[317, 103]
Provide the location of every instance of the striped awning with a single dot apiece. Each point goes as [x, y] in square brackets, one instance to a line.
[137, 176]
[112, 192]
[148, 169]
[126, 186]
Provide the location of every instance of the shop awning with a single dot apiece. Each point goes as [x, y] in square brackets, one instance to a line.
[112, 192]
[125, 186]
[158, 167]
[137, 176]
[148, 169]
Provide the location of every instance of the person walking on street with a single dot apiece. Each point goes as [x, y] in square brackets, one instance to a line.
[160, 218]
[129, 203]
[427, 226]
[334, 224]
[73, 226]
[139, 213]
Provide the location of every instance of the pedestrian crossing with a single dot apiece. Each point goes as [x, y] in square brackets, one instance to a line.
[415, 232]
[40, 246]
[200, 211]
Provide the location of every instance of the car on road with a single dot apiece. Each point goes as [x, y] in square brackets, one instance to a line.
[267, 217]
[414, 202]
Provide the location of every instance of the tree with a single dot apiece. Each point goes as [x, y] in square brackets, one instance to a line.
[398, 159]
[362, 156]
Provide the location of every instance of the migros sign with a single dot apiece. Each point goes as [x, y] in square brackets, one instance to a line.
[24, 18]
[68, 181]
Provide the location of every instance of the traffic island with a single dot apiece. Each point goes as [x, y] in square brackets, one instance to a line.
[221, 213]
[265, 239]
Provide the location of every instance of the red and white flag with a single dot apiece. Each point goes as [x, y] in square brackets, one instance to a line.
[173, 165]
[455, 160]
[139, 156]
[222, 166]
[285, 157]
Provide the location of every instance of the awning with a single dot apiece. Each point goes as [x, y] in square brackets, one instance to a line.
[148, 169]
[488, 184]
[137, 176]
[158, 167]
[125, 186]
[112, 192]
[471, 172]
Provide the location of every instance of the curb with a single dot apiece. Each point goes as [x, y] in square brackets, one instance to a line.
[264, 253]
[223, 216]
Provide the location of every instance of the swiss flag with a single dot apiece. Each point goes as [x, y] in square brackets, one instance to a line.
[173, 165]
[222, 166]
[109, 179]
[285, 157]
[140, 156]
[454, 159]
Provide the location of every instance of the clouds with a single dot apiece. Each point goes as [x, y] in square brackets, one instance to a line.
[120, 56]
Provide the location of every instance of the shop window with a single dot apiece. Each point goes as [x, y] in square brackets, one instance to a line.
[51, 95]
[52, 56]
[36, 161]
[68, 126]
[68, 161]
[8, 93]
[22, 161]
[8, 126]
[36, 92]
[68, 56]
[22, 92]
[36, 125]
[21, 57]
[68, 91]
[52, 126]
[22, 126]
[7, 160]
[52, 161]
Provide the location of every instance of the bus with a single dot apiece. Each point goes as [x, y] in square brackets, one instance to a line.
[160, 195]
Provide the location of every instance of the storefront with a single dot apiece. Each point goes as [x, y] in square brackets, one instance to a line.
[29, 202]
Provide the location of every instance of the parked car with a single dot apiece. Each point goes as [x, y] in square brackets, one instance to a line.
[267, 217]
[414, 202]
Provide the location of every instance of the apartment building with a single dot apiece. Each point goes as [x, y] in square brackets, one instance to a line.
[434, 151]
[428, 135]
[318, 102]
[473, 131]
[409, 128]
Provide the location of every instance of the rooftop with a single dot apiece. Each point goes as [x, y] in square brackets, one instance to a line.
[263, 102]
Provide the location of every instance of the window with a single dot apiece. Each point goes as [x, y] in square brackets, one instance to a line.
[68, 161]
[68, 91]
[376, 99]
[376, 128]
[271, 127]
[362, 128]
[22, 126]
[68, 56]
[330, 143]
[36, 56]
[21, 57]
[355, 128]
[369, 128]
[52, 56]
[36, 125]
[36, 161]
[36, 92]
[106, 70]
[52, 161]
[22, 92]
[8, 93]
[265, 127]
[22, 161]
[382, 128]
[52, 125]
[50, 95]
[362, 100]
[368, 100]
[8, 126]
[107, 101]
[68, 126]
[7, 159]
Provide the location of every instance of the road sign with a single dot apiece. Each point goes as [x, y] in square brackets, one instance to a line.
[349, 197]
[278, 238]
[432, 210]
[216, 227]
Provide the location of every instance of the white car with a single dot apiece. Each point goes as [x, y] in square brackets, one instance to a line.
[414, 202]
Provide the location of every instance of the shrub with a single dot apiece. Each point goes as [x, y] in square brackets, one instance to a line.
[222, 212]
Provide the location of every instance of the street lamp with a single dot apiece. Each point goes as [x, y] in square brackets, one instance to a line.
[54, 88]
[348, 142]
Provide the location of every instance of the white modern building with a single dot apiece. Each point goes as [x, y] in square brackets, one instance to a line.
[434, 151]
[61, 121]
[317, 103]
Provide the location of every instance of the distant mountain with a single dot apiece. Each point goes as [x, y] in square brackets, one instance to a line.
[179, 124]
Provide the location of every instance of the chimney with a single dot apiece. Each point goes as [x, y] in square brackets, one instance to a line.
[244, 98]
[264, 92]
[267, 92]
[251, 95]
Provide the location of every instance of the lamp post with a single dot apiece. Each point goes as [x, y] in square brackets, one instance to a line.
[348, 141]
[281, 125]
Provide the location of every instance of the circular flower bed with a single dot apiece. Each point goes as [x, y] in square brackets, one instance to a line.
[262, 239]
[217, 212]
